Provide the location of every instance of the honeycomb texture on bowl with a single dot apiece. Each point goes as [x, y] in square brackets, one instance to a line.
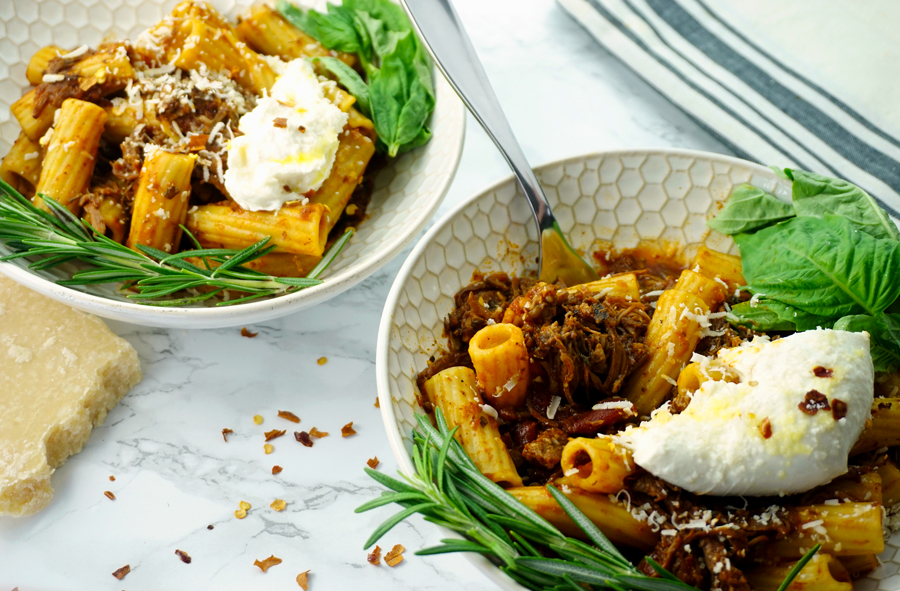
[406, 191]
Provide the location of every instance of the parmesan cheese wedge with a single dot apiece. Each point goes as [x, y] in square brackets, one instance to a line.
[61, 371]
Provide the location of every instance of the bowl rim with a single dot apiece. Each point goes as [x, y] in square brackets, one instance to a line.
[385, 402]
[219, 316]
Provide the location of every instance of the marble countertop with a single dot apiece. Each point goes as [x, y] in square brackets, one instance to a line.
[174, 474]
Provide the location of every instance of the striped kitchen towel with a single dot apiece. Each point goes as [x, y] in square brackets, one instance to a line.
[813, 84]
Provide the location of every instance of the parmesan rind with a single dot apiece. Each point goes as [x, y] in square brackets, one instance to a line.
[61, 371]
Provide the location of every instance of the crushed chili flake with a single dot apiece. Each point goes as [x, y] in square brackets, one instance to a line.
[302, 129]
[268, 448]
[303, 437]
[318, 434]
[247, 333]
[813, 402]
[225, 433]
[280, 122]
[210, 526]
[838, 409]
[377, 403]
[278, 505]
[284, 414]
[184, 556]
[269, 562]
[273, 434]
[322, 360]
[120, 573]
[373, 462]
[197, 142]
[765, 428]
[347, 430]
[112, 478]
[258, 419]
[395, 556]
[375, 556]
[276, 469]
[302, 580]
[822, 372]
[109, 495]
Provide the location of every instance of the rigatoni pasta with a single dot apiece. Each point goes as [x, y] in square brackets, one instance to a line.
[161, 200]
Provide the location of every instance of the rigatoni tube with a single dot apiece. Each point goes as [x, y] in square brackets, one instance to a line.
[596, 465]
[822, 573]
[33, 126]
[38, 63]
[611, 517]
[501, 363]
[717, 265]
[672, 336]
[296, 229]
[710, 291]
[455, 392]
[71, 154]
[350, 161]
[161, 200]
[848, 529]
[21, 167]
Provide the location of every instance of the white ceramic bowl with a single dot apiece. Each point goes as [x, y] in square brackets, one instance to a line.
[406, 195]
[622, 197]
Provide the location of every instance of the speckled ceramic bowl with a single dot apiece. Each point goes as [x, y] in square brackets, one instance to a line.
[407, 192]
[618, 197]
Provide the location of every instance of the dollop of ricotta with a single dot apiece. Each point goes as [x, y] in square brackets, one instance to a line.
[752, 437]
[288, 144]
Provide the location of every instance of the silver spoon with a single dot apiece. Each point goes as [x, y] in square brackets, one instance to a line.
[440, 28]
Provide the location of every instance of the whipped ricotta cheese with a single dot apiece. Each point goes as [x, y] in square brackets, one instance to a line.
[288, 144]
[752, 437]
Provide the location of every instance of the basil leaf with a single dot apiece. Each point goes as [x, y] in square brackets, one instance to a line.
[822, 266]
[884, 331]
[383, 41]
[749, 209]
[774, 315]
[392, 15]
[816, 195]
[349, 79]
[334, 30]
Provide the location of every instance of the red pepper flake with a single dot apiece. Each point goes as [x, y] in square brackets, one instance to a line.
[109, 495]
[395, 556]
[838, 409]
[765, 428]
[185, 558]
[247, 333]
[274, 434]
[813, 402]
[269, 562]
[225, 432]
[302, 580]
[287, 415]
[303, 437]
[347, 430]
[210, 526]
[276, 469]
[121, 572]
[377, 403]
[302, 129]
[822, 372]
[112, 478]
[375, 556]
[373, 462]
[318, 434]
[280, 122]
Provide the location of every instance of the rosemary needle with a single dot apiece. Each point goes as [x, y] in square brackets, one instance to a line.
[447, 489]
[151, 276]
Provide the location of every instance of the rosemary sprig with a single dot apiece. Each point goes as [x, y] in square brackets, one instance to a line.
[151, 276]
[447, 489]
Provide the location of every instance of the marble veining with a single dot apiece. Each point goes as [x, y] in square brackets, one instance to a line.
[175, 475]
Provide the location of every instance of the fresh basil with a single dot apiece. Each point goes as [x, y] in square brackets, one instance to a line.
[749, 209]
[822, 266]
[349, 79]
[399, 92]
[817, 196]
[768, 315]
[884, 331]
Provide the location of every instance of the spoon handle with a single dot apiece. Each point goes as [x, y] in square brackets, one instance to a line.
[439, 26]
